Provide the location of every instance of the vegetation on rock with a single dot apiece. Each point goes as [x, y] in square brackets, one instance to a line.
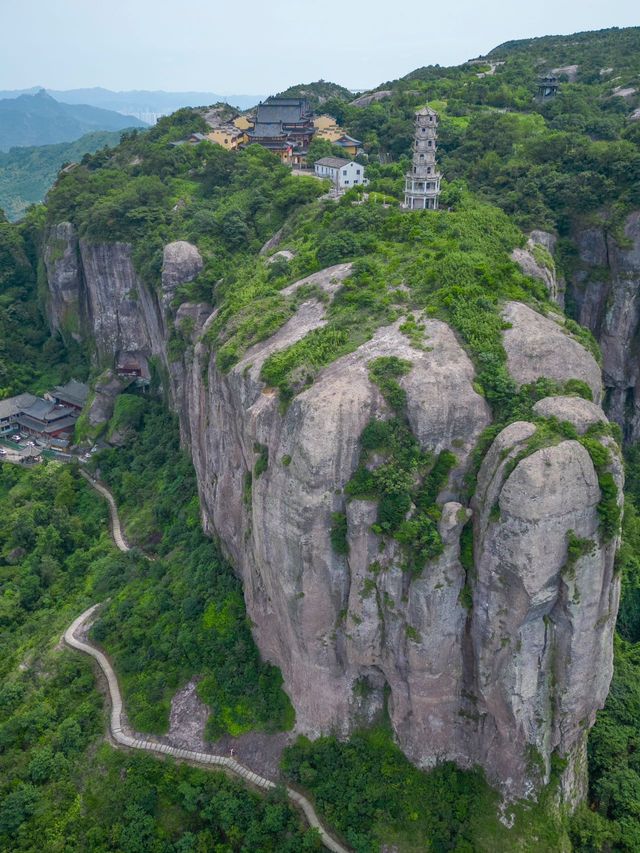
[27, 173]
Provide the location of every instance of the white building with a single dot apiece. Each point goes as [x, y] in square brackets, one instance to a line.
[343, 174]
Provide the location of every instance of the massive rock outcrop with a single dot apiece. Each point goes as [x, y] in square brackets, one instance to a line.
[502, 659]
[540, 623]
[95, 292]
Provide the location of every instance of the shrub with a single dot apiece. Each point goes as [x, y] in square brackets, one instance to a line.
[339, 533]
[262, 462]
[608, 508]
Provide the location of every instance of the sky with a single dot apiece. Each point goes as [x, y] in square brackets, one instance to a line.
[262, 46]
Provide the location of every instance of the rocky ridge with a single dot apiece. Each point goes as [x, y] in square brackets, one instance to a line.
[500, 661]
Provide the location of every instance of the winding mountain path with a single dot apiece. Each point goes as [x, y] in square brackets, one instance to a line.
[138, 741]
[116, 527]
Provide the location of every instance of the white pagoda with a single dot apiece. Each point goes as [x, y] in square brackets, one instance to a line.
[422, 186]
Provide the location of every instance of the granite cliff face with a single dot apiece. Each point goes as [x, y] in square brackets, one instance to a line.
[501, 661]
[605, 292]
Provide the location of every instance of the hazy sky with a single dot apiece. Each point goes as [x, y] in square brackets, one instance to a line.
[261, 46]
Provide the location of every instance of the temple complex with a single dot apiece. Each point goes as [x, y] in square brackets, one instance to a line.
[284, 126]
[422, 186]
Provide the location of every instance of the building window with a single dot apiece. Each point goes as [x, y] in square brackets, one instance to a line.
[430, 143]
[346, 182]
[344, 171]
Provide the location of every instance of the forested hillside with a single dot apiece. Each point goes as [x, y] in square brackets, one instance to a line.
[511, 164]
[548, 163]
[27, 173]
[61, 787]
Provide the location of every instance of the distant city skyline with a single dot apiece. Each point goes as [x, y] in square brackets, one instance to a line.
[252, 47]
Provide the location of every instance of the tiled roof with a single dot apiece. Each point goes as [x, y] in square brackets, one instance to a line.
[59, 442]
[345, 139]
[332, 162]
[264, 130]
[285, 101]
[12, 405]
[36, 425]
[73, 392]
[39, 409]
[30, 452]
[286, 110]
[46, 411]
[277, 145]
[61, 412]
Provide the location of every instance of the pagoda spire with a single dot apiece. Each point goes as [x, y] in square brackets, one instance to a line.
[422, 183]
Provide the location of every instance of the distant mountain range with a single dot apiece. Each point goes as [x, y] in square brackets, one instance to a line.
[27, 173]
[146, 106]
[41, 120]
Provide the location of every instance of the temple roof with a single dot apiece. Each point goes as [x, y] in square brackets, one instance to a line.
[73, 392]
[265, 129]
[40, 409]
[37, 425]
[286, 110]
[426, 111]
[12, 405]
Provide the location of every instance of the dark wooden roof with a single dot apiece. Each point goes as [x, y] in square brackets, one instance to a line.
[267, 129]
[285, 110]
[73, 392]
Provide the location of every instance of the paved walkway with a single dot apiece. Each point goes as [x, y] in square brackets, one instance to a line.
[138, 741]
[116, 527]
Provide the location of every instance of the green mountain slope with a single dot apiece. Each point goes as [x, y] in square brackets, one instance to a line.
[317, 92]
[545, 163]
[41, 120]
[27, 173]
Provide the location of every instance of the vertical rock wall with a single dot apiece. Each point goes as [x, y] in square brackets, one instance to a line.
[604, 293]
[501, 664]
